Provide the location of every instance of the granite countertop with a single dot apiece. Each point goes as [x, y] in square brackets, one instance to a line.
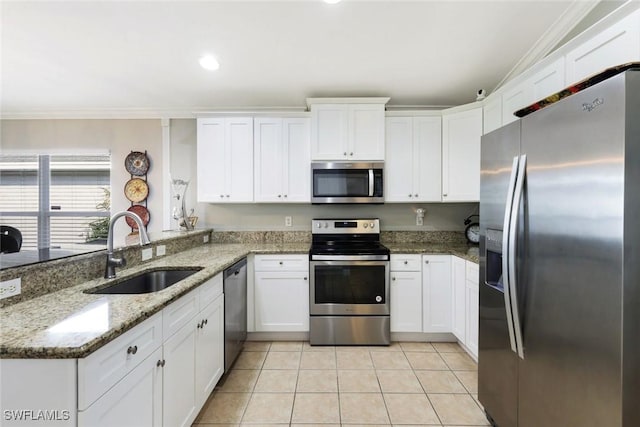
[72, 324]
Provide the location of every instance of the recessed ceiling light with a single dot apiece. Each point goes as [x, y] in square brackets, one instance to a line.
[208, 62]
[332, 1]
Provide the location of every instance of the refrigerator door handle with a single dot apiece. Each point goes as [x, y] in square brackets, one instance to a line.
[513, 235]
[505, 252]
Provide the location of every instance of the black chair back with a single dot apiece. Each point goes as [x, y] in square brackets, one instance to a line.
[10, 239]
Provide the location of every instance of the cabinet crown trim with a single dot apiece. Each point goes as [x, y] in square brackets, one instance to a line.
[364, 100]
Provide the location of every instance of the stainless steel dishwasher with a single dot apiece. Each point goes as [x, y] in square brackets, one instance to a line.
[235, 311]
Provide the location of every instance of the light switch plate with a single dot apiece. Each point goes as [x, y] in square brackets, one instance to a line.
[205, 239]
[9, 288]
[147, 254]
[161, 250]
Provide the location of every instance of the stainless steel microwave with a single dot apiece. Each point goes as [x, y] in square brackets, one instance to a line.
[347, 182]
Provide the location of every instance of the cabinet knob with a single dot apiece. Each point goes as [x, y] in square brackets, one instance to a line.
[285, 196]
[444, 195]
[393, 278]
[222, 195]
[132, 349]
[280, 263]
[345, 153]
[351, 154]
[206, 321]
[199, 325]
[410, 195]
[279, 195]
[160, 363]
[305, 278]
[227, 195]
[415, 195]
[426, 261]
[406, 262]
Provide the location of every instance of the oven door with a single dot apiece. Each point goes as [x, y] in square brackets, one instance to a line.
[349, 288]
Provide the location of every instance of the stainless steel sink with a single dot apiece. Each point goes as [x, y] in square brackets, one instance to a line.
[147, 282]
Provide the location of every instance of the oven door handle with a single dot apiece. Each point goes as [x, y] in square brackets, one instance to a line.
[349, 257]
[371, 181]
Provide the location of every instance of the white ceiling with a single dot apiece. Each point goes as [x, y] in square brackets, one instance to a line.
[141, 57]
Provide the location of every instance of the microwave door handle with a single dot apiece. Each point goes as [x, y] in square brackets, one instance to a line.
[371, 182]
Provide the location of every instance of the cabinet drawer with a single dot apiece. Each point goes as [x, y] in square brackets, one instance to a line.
[281, 263]
[473, 272]
[99, 371]
[405, 263]
[178, 313]
[210, 290]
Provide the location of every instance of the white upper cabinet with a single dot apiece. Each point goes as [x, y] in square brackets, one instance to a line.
[461, 133]
[618, 44]
[492, 113]
[225, 159]
[347, 131]
[413, 165]
[282, 165]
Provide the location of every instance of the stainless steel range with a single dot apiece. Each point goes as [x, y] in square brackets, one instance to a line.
[349, 289]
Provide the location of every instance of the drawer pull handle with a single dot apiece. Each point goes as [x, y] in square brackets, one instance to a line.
[132, 349]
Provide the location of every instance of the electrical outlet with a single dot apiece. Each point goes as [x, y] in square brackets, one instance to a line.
[288, 221]
[205, 239]
[419, 216]
[147, 254]
[9, 288]
[161, 250]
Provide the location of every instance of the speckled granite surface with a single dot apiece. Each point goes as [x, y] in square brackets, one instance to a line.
[69, 323]
[51, 276]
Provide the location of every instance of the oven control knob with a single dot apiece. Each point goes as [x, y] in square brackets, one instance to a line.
[378, 298]
[365, 225]
[318, 225]
[371, 225]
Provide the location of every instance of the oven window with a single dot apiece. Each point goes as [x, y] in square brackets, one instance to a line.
[350, 284]
[340, 183]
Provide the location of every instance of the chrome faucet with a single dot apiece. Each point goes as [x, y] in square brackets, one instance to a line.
[112, 263]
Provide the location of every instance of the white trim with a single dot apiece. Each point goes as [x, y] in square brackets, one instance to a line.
[121, 113]
[296, 112]
[413, 113]
[357, 100]
[465, 107]
[166, 173]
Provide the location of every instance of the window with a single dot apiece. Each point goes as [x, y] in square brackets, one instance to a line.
[56, 201]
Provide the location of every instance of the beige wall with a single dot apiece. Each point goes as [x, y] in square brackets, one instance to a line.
[119, 137]
[258, 216]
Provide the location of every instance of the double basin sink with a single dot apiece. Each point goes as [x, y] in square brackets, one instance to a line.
[147, 282]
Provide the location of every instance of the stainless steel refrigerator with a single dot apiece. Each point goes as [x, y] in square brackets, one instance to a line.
[559, 342]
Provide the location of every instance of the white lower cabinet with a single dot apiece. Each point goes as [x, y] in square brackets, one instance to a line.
[168, 387]
[458, 283]
[473, 307]
[134, 401]
[209, 349]
[406, 293]
[436, 293]
[281, 295]
[179, 386]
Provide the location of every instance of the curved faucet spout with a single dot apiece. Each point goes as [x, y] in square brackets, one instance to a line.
[112, 263]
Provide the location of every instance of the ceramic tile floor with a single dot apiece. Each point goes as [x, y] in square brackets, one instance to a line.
[292, 383]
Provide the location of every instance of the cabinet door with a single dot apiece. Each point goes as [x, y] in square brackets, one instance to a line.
[366, 132]
[269, 160]
[399, 164]
[473, 309]
[458, 281]
[618, 44]
[179, 388]
[211, 161]
[514, 99]
[329, 131]
[239, 143]
[492, 114]
[296, 173]
[134, 401]
[282, 301]
[461, 133]
[547, 81]
[209, 349]
[427, 159]
[406, 301]
[437, 293]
